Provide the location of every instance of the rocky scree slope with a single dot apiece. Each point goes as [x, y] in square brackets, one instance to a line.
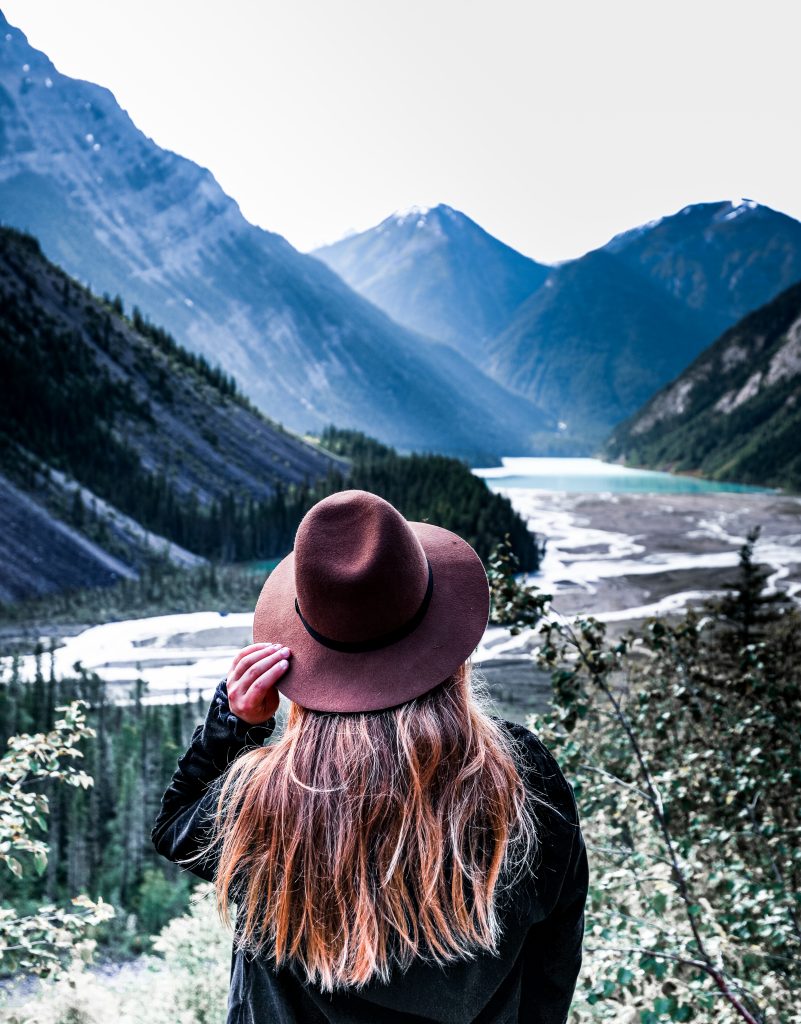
[89, 398]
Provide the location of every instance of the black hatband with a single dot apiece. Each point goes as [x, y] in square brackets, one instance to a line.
[377, 643]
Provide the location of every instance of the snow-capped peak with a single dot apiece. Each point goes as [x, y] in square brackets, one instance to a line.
[418, 213]
[432, 217]
[738, 207]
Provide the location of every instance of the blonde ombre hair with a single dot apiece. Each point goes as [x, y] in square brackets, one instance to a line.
[360, 840]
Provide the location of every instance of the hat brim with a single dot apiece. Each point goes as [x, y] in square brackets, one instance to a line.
[323, 679]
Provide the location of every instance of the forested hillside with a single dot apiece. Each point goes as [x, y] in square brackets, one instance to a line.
[735, 413]
[423, 487]
[111, 427]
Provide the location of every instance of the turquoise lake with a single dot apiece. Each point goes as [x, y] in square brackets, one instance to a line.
[592, 476]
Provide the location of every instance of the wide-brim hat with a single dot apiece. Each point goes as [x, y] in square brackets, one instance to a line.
[375, 609]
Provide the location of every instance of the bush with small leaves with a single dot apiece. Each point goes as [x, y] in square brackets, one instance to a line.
[684, 750]
[45, 941]
[187, 983]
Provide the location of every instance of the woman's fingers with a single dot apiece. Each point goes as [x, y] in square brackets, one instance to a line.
[260, 701]
[246, 659]
[251, 667]
[250, 649]
[251, 680]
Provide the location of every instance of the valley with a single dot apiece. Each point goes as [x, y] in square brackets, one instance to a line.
[618, 556]
[622, 558]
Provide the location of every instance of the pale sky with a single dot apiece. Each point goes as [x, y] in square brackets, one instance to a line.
[553, 124]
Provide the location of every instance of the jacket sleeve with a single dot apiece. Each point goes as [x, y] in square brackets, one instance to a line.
[188, 804]
[552, 951]
[552, 954]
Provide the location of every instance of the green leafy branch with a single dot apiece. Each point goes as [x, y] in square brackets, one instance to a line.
[38, 942]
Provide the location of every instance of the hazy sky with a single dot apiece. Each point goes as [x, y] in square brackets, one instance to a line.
[554, 125]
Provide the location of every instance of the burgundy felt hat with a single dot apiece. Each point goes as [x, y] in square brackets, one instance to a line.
[375, 609]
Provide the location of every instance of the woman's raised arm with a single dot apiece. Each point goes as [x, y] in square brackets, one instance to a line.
[181, 827]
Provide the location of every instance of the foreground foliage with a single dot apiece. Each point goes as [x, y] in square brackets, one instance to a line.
[186, 983]
[684, 747]
[42, 940]
[96, 830]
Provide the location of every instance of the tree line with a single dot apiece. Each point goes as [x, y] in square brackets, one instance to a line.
[99, 837]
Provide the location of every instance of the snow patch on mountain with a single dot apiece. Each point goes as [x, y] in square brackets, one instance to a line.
[737, 207]
[416, 213]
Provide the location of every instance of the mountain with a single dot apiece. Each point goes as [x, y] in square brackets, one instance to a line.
[605, 331]
[593, 343]
[115, 441]
[437, 272]
[735, 413]
[121, 213]
[719, 260]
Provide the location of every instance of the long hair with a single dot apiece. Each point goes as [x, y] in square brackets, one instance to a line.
[358, 840]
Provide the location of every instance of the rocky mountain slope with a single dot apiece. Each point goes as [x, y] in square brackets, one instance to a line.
[605, 331]
[719, 260]
[735, 413]
[117, 211]
[436, 271]
[106, 424]
[593, 343]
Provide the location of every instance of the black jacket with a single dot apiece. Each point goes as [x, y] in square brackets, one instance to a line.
[530, 980]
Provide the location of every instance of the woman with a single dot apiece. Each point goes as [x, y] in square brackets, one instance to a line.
[398, 854]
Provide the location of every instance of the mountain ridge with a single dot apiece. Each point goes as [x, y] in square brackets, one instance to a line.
[591, 359]
[740, 234]
[595, 336]
[119, 212]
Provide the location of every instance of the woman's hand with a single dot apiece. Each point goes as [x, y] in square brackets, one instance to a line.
[251, 681]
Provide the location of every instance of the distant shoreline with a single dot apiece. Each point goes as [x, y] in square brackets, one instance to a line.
[581, 475]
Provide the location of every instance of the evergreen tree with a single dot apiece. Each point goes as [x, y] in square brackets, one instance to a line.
[749, 606]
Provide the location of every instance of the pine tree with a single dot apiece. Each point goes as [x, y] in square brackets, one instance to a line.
[749, 606]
